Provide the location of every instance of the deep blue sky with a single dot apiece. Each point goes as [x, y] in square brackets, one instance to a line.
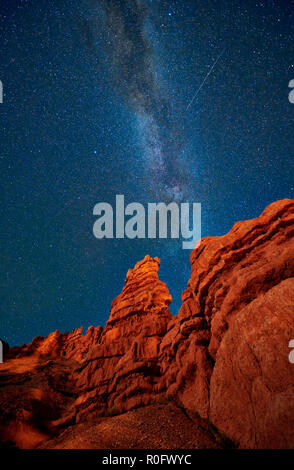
[95, 104]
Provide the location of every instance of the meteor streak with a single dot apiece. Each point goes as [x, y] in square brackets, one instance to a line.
[210, 70]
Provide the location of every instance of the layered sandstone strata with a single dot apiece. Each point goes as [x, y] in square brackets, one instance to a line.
[224, 358]
[226, 355]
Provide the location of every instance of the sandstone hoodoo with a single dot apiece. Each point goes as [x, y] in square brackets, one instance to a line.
[223, 360]
[123, 371]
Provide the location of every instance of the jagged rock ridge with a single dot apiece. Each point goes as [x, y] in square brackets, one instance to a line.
[223, 358]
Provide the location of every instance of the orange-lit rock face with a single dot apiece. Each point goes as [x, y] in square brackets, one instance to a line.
[226, 356]
[143, 292]
[69, 345]
[223, 357]
[123, 370]
[36, 396]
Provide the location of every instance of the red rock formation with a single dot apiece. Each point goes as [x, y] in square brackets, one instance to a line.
[122, 371]
[69, 345]
[38, 385]
[36, 397]
[224, 357]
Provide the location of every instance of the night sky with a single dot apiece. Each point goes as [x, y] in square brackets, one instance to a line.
[98, 101]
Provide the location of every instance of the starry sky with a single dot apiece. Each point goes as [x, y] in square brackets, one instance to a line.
[158, 100]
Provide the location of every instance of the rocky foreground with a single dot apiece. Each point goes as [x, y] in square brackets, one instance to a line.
[218, 374]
